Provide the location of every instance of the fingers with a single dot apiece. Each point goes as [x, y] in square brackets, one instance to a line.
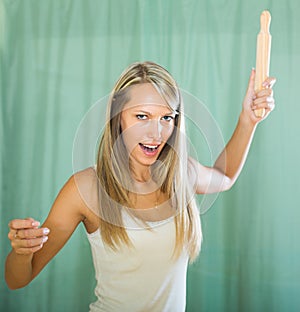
[25, 236]
[269, 82]
[259, 101]
[28, 251]
[269, 106]
[264, 99]
[23, 223]
[31, 233]
[264, 92]
[28, 246]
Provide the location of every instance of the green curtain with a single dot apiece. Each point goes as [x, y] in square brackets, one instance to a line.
[60, 57]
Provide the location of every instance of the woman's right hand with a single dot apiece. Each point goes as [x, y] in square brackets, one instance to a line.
[26, 237]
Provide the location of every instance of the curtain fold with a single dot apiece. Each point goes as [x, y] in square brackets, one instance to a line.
[59, 57]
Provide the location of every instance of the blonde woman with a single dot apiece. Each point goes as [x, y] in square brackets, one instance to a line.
[137, 203]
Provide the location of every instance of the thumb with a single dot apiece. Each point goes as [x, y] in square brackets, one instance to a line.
[251, 81]
[250, 90]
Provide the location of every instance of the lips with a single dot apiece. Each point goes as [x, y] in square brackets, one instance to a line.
[149, 149]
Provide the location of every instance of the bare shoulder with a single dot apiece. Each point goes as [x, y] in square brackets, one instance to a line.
[74, 198]
[87, 185]
[87, 188]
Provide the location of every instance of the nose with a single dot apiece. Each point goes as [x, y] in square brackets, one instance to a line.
[155, 130]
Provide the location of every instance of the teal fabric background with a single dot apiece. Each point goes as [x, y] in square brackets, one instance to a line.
[59, 57]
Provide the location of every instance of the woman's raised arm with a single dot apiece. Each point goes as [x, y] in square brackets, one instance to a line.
[229, 164]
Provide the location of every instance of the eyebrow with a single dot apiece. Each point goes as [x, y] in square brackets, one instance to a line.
[148, 113]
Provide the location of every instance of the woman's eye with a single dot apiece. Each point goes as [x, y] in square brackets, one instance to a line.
[141, 117]
[168, 118]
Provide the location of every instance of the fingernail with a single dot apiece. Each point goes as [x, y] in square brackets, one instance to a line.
[35, 223]
[46, 231]
[45, 238]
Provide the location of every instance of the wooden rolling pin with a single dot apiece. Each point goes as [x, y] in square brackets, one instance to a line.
[263, 50]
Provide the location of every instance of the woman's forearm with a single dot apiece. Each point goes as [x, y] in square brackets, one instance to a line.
[18, 270]
[233, 157]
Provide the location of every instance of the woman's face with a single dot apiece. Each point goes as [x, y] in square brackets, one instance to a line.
[147, 122]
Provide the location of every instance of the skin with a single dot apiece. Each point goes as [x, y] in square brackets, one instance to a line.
[145, 119]
[34, 246]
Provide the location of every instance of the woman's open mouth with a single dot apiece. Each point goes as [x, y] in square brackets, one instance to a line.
[149, 149]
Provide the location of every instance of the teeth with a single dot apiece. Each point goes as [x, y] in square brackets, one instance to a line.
[150, 146]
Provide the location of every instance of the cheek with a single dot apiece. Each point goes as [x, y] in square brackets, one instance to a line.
[167, 132]
[127, 128]
[130, 136]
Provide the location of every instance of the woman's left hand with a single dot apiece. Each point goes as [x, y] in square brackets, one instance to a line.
[263, 99]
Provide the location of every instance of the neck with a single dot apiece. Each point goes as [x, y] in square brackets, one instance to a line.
[140, 173]
[143, 182]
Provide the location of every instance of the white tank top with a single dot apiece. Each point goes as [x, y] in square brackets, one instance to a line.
[143, 278]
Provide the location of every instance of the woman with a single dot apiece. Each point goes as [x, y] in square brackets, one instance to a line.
[137, 203]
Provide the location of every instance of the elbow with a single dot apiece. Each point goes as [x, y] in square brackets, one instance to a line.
[227, 183]
[221, 184]
[14, 276]
[12, 285]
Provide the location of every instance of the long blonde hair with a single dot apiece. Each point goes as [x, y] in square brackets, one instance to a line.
[172, 165]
